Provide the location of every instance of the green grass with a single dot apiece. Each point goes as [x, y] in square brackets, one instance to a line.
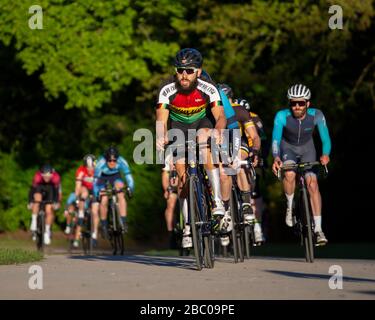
[287, 250]
[17, 256]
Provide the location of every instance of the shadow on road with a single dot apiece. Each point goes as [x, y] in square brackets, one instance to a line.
[184, 263]
[372, 292]
[316, 276]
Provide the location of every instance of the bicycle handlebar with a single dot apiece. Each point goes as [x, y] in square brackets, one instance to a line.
[302, 166]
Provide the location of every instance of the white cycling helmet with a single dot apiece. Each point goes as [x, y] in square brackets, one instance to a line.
[299, 91]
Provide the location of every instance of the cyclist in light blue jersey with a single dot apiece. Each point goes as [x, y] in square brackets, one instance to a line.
[292, 139]
[108, 170]
[70, 213]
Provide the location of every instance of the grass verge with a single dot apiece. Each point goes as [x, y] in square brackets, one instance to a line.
[17, 256]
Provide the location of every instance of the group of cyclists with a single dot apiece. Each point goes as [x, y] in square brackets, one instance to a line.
[91, 179]
[191, 100]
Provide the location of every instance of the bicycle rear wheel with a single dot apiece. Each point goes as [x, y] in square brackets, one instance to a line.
[308, 235]
[234, 214]
[209, 260]
[247, 240]
[194, 220]
[120, 243]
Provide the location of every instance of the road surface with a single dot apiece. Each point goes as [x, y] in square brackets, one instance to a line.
[148, 277]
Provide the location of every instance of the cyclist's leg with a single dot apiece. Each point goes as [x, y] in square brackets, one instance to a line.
[37, 199]
[182, 196]
[102, 201]
[288, 156]
[169, 217]
[122, 204]
[83, 196]
[49, 213]
[169, 211]
[309, 155]
[257, 205]
[95, 217]
[226, 185]
[213, 172]
[243, 182]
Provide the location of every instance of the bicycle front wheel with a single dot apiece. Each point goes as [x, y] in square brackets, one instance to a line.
[208, 252]
[194, 220]
[40, 231]
[308, 236]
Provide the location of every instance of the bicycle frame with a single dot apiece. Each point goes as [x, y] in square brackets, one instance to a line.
[304, 216]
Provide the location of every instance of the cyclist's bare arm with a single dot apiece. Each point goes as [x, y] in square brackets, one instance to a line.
[218, 113]
[277, 163]
[78, 184]
[221, 122]
[162, 116]
[252, 133]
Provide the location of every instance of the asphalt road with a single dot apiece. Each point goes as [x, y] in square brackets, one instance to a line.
[148, 277]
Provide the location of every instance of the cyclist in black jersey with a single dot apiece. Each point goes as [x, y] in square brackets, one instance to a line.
[250, 146]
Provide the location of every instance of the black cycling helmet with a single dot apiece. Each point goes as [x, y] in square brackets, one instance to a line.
[89, 160]
[244, 103]
[111, 152]
[226, 89]
[188, 57]
[46, 168]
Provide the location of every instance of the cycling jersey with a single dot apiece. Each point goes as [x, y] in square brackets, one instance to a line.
[265, 144]
[242, 117]
[86, 176]
[72, 201]
[188, 108]
[299, 132]
[51, 191]
[102, 170]
[229, 112]
[259, 126]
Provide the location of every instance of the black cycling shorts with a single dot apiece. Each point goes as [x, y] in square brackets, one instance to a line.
[206, 122]
[47, 191]
[291, 154]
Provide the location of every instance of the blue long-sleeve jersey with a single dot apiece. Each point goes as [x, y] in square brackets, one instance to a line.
[229, 112]
[121, 166]
[299, 132]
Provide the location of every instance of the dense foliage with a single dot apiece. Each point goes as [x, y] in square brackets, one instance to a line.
[90, 76]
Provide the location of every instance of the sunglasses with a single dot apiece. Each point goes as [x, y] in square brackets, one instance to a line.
[187, 70]
[112, 160]
[45, 175]
[300, 103]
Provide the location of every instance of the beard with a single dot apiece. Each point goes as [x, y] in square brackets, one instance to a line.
[299, 114]
[193, 85]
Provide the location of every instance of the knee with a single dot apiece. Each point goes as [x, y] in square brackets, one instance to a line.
[313, 187]
[290, 176]
[104, 201]
[38, 197]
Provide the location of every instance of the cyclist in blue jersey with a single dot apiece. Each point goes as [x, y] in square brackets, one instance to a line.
[70, 213]
[292, 138]
[108, 170]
